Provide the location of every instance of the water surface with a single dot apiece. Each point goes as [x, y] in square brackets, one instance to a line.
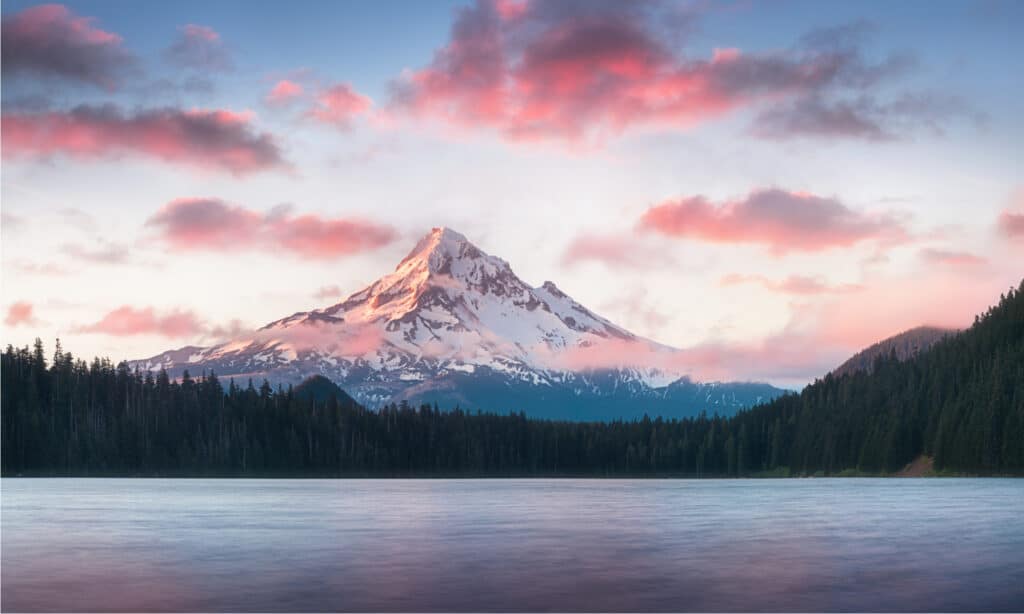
[501, 545]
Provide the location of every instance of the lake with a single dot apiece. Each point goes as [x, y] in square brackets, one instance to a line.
[500, 545]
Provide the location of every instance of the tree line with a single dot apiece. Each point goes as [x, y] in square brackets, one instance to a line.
[961, 402]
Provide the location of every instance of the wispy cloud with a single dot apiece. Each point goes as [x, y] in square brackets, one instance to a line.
[128, 321]
[951, 258]
[207, 139]
[338, 105]
[284, 92]
[201, 48]
[793, 284]
[103, 252]
[212, 224]
[784, 221]
[20, 313]
[52, 42]
[583, 71]
[625, 251]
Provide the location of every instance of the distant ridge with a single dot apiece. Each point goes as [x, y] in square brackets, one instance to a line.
[907, 344]
[321, 390]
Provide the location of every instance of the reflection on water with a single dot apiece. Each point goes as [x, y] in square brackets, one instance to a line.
[500, 545]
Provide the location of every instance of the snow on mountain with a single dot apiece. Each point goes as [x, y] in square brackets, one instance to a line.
[455, 325]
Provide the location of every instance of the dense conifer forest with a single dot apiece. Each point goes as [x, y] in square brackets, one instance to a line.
[961, 402]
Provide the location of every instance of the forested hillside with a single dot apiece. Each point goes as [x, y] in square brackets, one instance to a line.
[961, 401]
[906, 345]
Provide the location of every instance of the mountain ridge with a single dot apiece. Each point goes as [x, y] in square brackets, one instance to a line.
[906, 345]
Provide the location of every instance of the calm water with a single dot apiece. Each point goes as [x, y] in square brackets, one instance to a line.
[372, 545]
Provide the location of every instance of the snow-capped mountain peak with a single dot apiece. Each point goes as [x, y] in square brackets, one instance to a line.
[448, 309]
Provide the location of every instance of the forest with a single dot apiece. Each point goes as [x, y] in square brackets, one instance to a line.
[960, 402]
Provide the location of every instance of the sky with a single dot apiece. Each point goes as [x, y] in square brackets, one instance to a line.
[769, 185]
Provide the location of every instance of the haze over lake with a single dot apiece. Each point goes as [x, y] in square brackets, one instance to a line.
[500, 545]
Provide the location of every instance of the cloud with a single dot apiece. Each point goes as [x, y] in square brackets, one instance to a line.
[11, 221]
[207, 139]
[339, 105]
[284, 93]
[1011, 219]
[820, 335]
[200, 48]
[951, 258]
[794, 284]
[20, 313]
[352, 340]
[848, 106]
[633, 303]
[1012, 224]
[104, 253]
[52, 42]
[48, 268]
[776, 218]
[78, 218]
[128, 321]
[615, 251]
[327, 293]
[787, 358]
[185, 86]
[815, 117]
[232, 329]
[579, 71]
[861, 118]
[212, 224]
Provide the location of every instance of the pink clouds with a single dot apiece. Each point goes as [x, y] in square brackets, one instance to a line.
[1011, 220]
[794, 284]
[338, 105]
[788, 357]
[951, 258]
[212, 224]
[776, 218]
[314, 237]
[327, 292]
[820, 335]
[199, 47]
[534, 70]
[207, 139]
[1012, 224]
[284, 92]
[129, 321]
[19, 314]
[207, 223]
[615, 251]
[50, 41]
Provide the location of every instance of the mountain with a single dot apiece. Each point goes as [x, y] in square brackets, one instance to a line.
[321, 390]
[455, 326]
[906, 345]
